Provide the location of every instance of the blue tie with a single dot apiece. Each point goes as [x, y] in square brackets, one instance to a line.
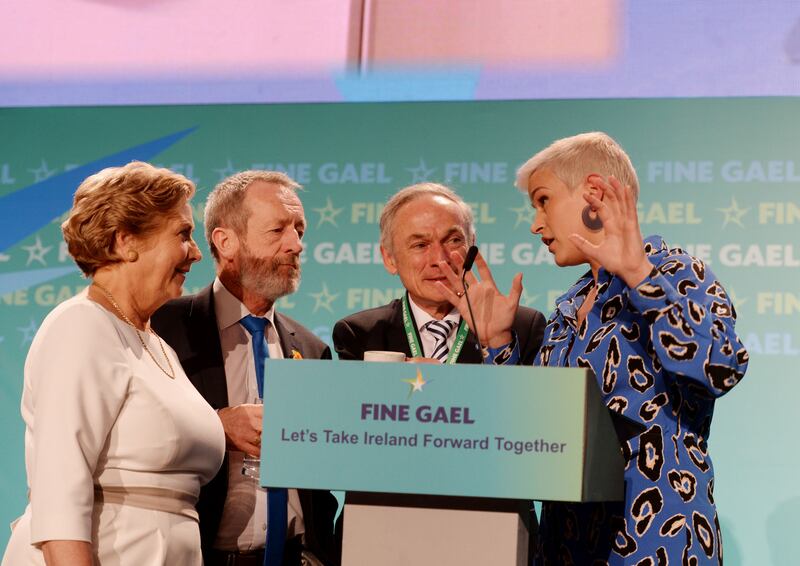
[276, 497]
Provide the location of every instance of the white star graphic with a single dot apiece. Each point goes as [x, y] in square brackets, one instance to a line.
[525, 214]
[733, 213]
[226, 171]
[28, 332]
[323, 299]
[421, 172]
[36, 252]
[328, 213]
[527, 300]
[42, 172]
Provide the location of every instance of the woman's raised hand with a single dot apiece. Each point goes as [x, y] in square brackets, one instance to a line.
[622, 251]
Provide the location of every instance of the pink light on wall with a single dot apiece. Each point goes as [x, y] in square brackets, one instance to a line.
[494, 32]
[60, 38]
[52, 40]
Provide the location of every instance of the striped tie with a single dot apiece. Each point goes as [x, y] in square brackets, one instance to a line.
[440, 329]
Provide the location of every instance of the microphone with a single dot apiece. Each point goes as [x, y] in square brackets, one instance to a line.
[472, 253]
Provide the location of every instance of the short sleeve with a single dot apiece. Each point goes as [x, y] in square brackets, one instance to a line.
[76, 380]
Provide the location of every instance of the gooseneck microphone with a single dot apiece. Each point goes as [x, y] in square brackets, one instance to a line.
[472, 253]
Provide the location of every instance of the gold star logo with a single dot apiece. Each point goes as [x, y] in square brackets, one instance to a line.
[328, 213]
[524, 214]
[733, 213]
[324, 299]
[416, 384]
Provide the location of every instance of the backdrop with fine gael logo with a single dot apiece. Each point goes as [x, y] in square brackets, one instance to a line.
[720, 177]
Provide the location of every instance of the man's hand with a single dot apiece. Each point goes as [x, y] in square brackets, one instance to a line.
[494, 312]
[242, 426]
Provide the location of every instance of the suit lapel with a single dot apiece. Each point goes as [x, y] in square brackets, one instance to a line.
[203, 325]
[470, 353]
[287, 336]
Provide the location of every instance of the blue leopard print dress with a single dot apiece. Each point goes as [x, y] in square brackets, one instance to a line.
[662, 353]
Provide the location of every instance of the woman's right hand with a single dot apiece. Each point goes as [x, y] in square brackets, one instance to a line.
[494, 312]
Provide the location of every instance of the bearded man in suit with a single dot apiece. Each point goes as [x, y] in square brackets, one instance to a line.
[422, 226]
[254, 224]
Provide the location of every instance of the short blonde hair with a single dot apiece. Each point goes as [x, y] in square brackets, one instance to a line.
[413, 192]
[224, 206]
[133, 198]
[572, 159]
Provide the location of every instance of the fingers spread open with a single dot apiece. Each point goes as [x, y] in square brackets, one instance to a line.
[453, 279]
[516, 288]
[604, 209]
[483, 270]
[584, 245]
[448, 293]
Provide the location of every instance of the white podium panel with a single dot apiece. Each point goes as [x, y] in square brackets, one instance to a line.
[403, 530]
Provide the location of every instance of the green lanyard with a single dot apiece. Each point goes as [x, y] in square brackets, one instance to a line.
[413, 339]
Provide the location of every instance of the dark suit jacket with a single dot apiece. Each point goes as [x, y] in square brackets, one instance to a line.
[189, 325]
[382, 328]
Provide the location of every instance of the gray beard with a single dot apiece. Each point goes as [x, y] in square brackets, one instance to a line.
[261, 275]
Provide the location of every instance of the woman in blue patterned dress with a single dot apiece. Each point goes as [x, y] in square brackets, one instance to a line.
[656, 328]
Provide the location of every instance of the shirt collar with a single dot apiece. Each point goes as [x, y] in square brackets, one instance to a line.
[230, 310]
[422, 318]
[571, 301]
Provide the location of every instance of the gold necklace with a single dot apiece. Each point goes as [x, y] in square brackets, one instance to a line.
[171, 372]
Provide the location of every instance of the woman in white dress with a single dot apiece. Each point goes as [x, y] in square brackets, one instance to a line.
[117, 440]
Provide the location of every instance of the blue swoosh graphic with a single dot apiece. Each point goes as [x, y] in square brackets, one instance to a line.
[25, 211]
[10, 282]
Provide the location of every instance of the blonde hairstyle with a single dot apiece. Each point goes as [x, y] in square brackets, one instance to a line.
[413, 192]
[224, 206]
[572, 159]
[134, 198]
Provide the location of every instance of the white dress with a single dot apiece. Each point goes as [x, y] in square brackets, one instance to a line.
[99, 412]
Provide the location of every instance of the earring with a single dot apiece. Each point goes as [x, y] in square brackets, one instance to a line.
[593, 223]
[133, 255]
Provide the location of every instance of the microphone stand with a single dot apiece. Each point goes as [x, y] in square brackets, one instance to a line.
[470, 259]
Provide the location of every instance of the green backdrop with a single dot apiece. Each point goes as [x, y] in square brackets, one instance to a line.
[720, 177]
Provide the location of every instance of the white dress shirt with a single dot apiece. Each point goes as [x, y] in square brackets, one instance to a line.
[244, 517]
[426, 338]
